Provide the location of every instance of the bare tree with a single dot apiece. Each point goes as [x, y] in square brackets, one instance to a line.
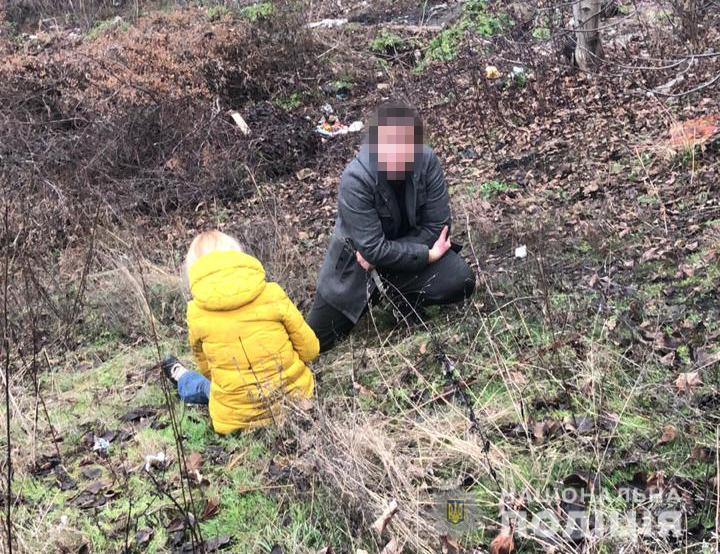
[586, 20]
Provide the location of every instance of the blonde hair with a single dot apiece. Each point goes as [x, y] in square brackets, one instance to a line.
[207, 242]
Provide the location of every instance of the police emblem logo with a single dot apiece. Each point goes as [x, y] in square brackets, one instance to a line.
[455, 511]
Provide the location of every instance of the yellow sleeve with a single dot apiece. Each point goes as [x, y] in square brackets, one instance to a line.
[303, 338]
[197, 349]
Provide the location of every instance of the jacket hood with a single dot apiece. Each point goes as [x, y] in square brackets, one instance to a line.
[226, 280]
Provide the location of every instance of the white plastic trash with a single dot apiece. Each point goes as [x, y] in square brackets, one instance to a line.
[521, 251]
[327, 23]
[101, 445]
[240, 122]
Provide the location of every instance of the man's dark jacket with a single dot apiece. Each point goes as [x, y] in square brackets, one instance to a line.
[368, 213]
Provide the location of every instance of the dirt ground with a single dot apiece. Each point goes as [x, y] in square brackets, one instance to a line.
[590, 364]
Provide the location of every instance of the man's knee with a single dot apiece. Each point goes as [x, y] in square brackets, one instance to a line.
[328, 324]
[460, 283]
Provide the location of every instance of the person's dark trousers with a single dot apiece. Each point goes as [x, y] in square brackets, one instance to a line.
[447, 281]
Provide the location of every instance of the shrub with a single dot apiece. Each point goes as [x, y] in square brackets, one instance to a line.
[216, 13]
[256, 12]
[386, 42]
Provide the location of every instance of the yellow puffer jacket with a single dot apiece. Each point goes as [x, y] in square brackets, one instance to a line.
[248, 338]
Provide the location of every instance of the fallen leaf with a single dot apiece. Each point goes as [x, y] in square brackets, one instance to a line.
[693, 132]
[393, 547]
[582, 425]
[547, 429]
[503, 543]
[141, 412]
[516, 377]
[668, 360]
[177, 524]
[704, 359]
[91, 472]
[211, 545]
[362, 390]
[656, 481]
[194, 461]
[384, 519]
[686, 381]
[669, 434]
[703, 454]
[63, 479]
[143, 536]
[199, 478]
[212, 507]
[96, 487]
[304, 173]
[449, 545]
[45, 465]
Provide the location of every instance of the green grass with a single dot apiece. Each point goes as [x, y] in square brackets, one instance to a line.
[492, 189]
[541, 33]
[386, 42]
[102, 27]
[216, 13]
[289, 103]
[446, 46]
[257, 12]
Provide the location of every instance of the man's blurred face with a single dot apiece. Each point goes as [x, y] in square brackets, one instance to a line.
[396, 149]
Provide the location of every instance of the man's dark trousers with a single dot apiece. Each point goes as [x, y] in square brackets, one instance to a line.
[446, 281]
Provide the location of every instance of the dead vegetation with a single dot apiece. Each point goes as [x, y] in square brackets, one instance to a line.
[589, 364]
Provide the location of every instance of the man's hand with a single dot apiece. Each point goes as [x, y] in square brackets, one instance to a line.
[367, 266]
[442, 245]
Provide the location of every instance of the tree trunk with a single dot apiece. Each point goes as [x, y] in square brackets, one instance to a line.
[586, 19]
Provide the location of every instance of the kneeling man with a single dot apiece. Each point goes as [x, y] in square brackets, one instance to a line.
[392, 228]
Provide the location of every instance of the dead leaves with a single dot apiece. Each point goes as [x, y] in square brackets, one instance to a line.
[382, 522]
[545, 430]
[139, 413]
[685, 135]
[581, 425]
[193, 461]
[703, 454]
[212, 507]
[143, 537]
[94, 495]
[449, 545]
[362, 390]
[63, 479]
[704, 359]
[686, 382]
[669, 434]
[503, 543]
[393, 547]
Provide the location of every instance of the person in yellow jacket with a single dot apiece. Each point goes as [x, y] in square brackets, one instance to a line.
[250, 342]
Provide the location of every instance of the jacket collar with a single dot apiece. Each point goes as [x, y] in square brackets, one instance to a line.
[369, 162]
